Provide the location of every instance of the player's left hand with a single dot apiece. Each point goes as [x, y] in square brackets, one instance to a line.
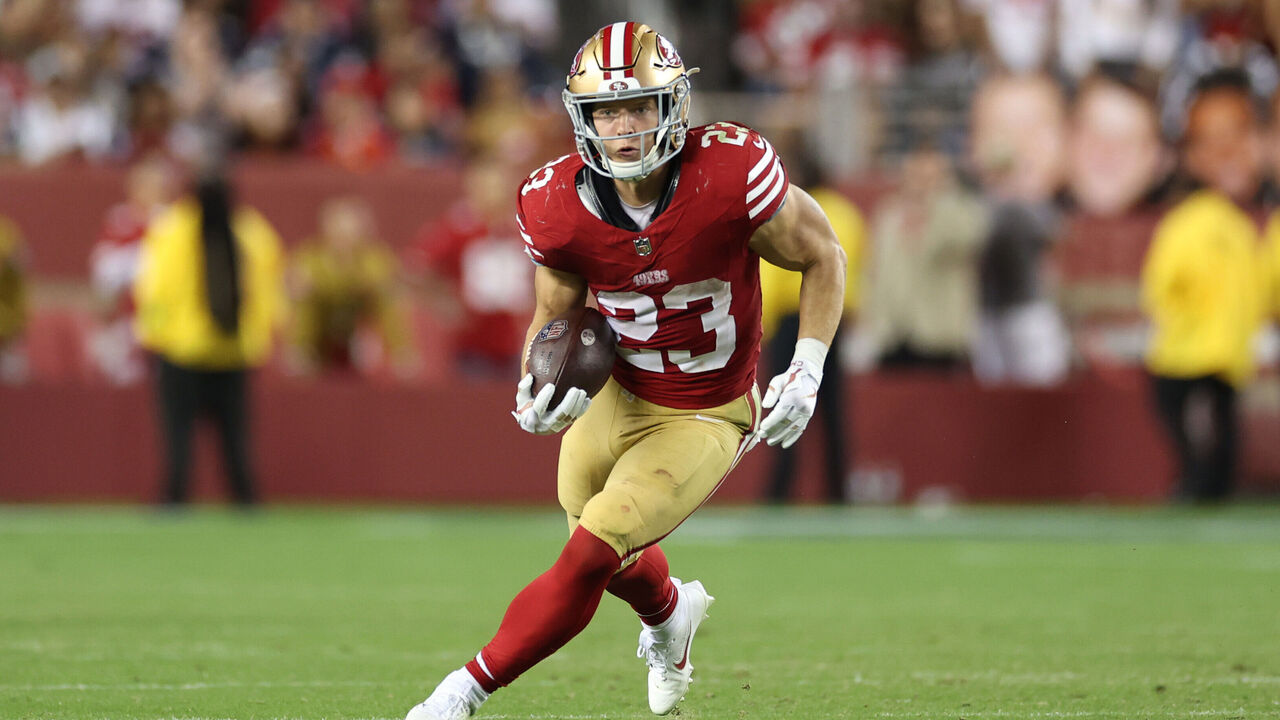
[793, 395]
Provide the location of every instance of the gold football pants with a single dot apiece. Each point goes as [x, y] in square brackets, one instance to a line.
[631, 471]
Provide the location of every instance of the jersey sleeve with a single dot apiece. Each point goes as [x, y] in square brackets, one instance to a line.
[766, 187]
[537, 255]
[542, 226]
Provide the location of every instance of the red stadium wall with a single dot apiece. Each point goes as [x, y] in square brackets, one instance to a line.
[61, 210]
[67, 439]
[351, 441]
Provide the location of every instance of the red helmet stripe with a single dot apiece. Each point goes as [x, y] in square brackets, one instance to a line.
[606, 47]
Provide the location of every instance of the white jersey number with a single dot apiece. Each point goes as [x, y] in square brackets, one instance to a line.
[540, 177]
[642, 324]
[721, 133]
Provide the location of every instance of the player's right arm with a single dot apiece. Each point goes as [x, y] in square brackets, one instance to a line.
[555, 293]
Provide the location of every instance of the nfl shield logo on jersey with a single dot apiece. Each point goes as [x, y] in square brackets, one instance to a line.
[643, 247]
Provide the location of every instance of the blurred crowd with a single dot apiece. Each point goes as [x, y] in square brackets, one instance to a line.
[361, 83]
[355, 83]
[984, 127]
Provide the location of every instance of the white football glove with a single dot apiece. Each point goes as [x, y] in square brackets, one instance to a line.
[793, 395]
[532, 413]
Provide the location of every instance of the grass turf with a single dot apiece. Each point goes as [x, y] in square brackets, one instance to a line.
[973, 613]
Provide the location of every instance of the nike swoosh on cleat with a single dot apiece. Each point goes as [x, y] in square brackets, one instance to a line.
[685, 660]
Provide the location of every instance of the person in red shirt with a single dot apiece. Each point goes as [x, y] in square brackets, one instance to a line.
[470, 266]
[113, 266]
[664, 226]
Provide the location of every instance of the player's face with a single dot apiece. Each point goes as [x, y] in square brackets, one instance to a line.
[625, 117]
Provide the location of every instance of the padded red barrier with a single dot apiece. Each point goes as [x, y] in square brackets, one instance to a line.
[358, 441]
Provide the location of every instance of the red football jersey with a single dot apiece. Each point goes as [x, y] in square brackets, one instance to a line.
[683, 294]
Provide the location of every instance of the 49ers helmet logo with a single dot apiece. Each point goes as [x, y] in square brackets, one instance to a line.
[617, 85]
[577, 60]
[667, 53]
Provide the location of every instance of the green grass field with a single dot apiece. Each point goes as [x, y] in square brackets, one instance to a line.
[965, 613]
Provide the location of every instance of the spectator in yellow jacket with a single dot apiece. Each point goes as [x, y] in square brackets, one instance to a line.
[1205, 288]
[210, 296]
[13, 303]
[345, 287]
[780, 317]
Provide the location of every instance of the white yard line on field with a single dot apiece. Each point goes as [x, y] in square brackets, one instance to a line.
[189, 686]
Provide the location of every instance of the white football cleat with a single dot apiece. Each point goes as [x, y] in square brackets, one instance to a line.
[457, 697]
[666, 647]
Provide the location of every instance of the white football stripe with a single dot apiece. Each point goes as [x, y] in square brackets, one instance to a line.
[533, 254]
[766, 182]
[777, 187]
[761, 164]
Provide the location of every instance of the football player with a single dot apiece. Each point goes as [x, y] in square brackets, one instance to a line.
[664, 226]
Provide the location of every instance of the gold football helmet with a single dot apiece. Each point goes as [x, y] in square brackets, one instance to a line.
[622, 61]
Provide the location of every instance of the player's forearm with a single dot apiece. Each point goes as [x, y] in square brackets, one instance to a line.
[822, 295]
[541, 316]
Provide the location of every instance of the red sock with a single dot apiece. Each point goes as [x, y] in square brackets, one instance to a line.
[646, 585]
[552, 609]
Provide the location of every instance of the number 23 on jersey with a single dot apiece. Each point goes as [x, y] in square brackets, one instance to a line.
[634, 317]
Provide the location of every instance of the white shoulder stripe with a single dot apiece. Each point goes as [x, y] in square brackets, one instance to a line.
[762, 163]
[520, 222]
[777, 187]
[533, 254]
[764, 184]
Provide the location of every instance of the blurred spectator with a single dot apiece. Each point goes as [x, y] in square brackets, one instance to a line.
[13, 303]
[348, 131]
[833, 56]
[417, 120]
[1019, 138]
[262, 103]
[1218, 36]
[504, 124]
[921, 303]
[1019, 33]
[298, 44]
[490, 35]
[143, 22]
[941, 76]
[421, 102]
[113, 267]
[1204, 286]
[471, 268]
[209, 296]
[348, 308]
[780, 302]
[792, 44]
[197, 80]
[1138, 35]
[149, 125]
[57, 119]
[1115, 158]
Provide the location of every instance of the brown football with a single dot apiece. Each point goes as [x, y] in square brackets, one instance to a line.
[573, 350]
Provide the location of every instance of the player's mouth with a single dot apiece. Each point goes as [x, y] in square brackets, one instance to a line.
[629, 152]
